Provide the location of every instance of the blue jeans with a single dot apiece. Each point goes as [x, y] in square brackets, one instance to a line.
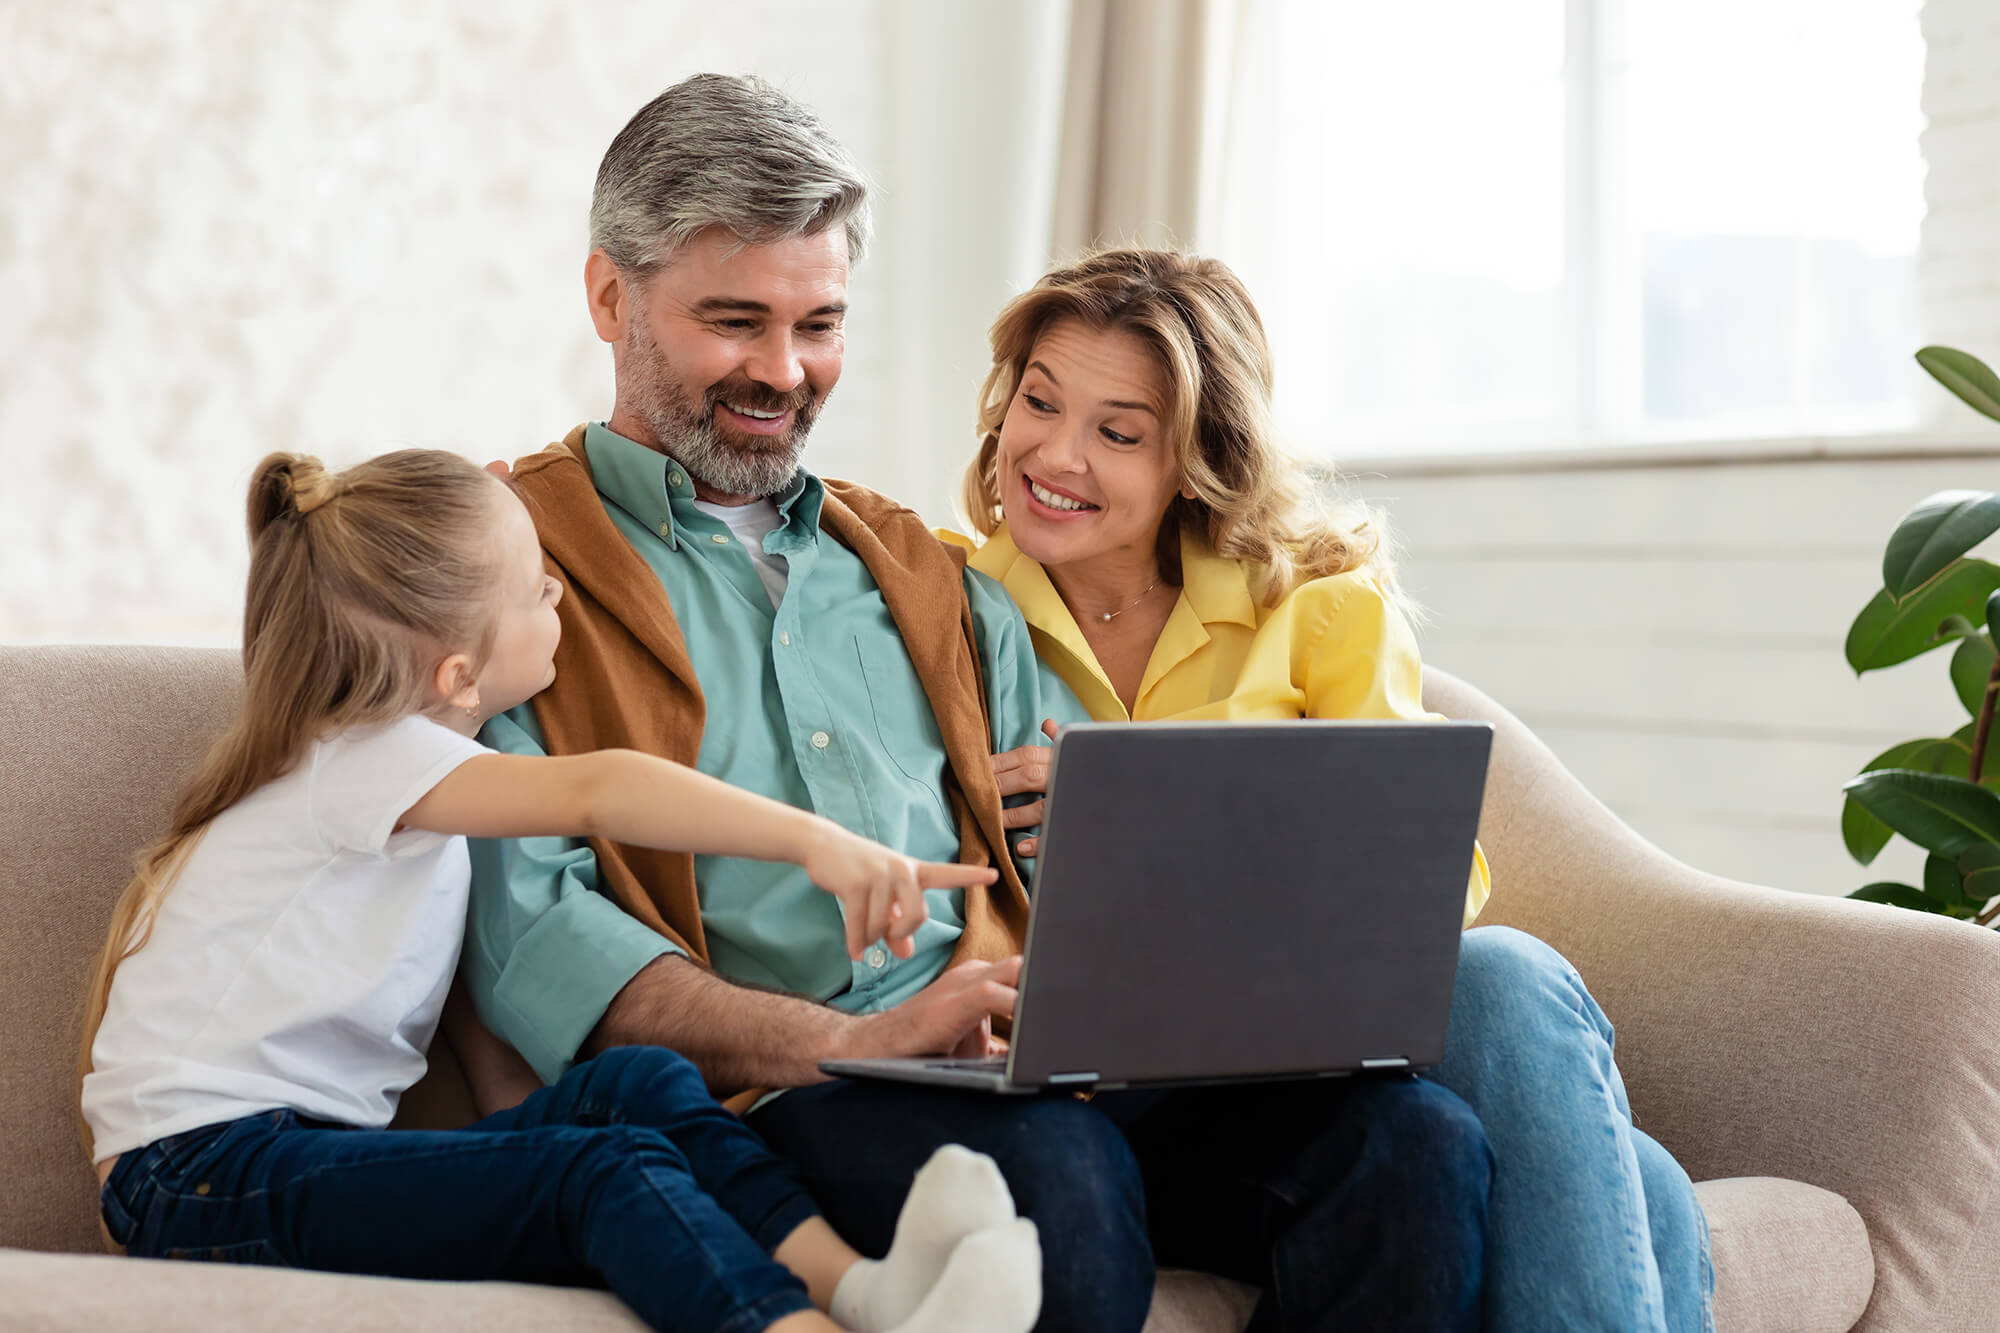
[625, 1174]
[1593, 1225]
[1353, 1204]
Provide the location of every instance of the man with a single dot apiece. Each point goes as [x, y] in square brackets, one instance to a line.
[812, 642]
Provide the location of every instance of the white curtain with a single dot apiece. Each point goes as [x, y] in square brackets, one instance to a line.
[1145, 124]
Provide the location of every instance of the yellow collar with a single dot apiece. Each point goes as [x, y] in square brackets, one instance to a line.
[1214, 590]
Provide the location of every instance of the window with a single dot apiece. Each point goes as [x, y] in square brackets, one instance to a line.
[1488, 223]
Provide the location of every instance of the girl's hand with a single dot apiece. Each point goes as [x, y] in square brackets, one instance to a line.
[881, 891]
[1025, 769]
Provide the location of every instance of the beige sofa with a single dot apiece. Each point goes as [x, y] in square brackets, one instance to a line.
[1830, 1071]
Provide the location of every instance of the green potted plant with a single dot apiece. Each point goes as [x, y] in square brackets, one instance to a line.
[1943, 792]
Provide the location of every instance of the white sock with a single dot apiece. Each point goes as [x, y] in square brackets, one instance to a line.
[992, 1284]
[957, 1194]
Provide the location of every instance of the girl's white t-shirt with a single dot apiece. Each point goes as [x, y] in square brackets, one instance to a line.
[301, 957]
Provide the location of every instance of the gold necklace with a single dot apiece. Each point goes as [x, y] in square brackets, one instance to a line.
[1135, 601]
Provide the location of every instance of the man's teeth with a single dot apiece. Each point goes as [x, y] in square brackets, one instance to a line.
[1054, 501]
[747, 412]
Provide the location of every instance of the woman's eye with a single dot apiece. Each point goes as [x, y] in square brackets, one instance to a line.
[1036, 403]
[1116, 438]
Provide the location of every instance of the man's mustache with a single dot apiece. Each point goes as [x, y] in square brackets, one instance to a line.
[759, 397]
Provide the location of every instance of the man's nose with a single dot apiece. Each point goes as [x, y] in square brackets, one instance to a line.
[775, 361]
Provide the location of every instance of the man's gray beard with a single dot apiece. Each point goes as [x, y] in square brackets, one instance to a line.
[690, 437]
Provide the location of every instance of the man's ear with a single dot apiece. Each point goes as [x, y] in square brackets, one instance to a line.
[455, 683]
[606, 288]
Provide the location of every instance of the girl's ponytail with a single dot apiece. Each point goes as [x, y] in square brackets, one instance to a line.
[288, 486]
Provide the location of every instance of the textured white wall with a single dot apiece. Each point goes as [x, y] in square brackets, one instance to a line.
[1959, 267]
[228, 226]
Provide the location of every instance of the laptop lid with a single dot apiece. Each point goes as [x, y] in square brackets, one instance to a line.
[1240, 900]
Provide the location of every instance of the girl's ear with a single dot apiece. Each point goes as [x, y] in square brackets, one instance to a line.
[455, 684]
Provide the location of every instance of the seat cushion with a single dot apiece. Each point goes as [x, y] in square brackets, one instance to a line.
[62, 1293]
[1787, 1256]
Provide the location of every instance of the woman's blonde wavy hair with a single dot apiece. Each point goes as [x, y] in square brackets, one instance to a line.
[360, 583]
[1251, 500]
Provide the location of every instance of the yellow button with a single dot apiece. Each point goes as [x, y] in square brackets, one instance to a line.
[719, 539]
[785, 639]
[676, 479]
[820, 740]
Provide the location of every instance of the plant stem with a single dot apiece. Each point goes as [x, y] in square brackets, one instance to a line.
[1984, 726]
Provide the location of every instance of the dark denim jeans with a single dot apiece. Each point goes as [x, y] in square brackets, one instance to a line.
[625, 1173]
[1353, 1203]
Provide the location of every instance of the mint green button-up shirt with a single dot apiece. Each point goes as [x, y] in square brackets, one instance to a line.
[814, 703]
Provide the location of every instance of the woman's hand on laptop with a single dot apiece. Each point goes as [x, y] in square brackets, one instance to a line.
[1025, 769]
[881, 891]
[951, 1016]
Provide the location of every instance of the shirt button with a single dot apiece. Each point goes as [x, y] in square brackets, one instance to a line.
[666, 529]
[820, 740]
[675, 479]
[876, 957]
[719, 539]
[784, 639]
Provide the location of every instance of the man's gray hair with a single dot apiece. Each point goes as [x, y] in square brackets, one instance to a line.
[717, 151]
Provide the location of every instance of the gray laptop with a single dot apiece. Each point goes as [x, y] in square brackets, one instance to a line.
[1216, 902]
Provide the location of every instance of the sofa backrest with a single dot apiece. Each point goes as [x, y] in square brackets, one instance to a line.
[95, 743]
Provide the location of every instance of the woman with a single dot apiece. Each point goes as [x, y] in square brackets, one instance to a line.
[1172, 564]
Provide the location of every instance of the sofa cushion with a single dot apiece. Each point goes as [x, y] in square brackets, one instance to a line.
[94, 744]
[65, 1293]
[1787, 1255]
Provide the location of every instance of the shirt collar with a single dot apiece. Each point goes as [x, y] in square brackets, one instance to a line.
[1214, 591]
[649, 485]
[1213, 586]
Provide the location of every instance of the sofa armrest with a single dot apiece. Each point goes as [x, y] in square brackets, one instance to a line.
[1766, 1033]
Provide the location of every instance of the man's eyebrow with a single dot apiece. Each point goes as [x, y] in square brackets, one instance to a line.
[718, 304]
[1147, 408]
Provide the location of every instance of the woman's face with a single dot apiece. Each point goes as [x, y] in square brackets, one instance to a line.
[1086, 468]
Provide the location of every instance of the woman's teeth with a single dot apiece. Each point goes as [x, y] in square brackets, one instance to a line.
[1054, 501]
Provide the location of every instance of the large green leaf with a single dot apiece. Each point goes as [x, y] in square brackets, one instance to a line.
[1965, 375]
[1979, 872]
[1935, 533]
[1948, 816]
[1895, 895]
[1864, 834]
[1971, 668]
[1889, 631]
[1943, 884]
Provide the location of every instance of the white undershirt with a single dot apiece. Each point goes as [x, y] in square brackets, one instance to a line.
[752, 523]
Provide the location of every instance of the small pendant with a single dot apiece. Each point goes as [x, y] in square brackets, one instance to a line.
[1109, 614]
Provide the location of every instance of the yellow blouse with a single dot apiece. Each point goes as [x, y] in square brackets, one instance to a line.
[1335, 647]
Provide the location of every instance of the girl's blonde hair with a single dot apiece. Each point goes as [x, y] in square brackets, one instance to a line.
[1251, 500]
[360, 583]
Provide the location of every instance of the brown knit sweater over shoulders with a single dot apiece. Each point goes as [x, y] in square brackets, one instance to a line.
[624, 680]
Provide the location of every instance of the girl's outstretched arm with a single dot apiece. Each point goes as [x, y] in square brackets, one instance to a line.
[629, 797]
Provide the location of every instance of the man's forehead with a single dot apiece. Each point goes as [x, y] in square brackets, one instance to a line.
[718, 271]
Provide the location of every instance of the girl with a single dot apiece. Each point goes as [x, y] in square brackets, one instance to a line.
[276, 969]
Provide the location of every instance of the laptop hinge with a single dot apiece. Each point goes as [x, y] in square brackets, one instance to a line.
[1087, 1076]
[1391, 1062]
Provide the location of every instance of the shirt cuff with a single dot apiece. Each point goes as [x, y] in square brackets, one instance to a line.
[564, 973]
